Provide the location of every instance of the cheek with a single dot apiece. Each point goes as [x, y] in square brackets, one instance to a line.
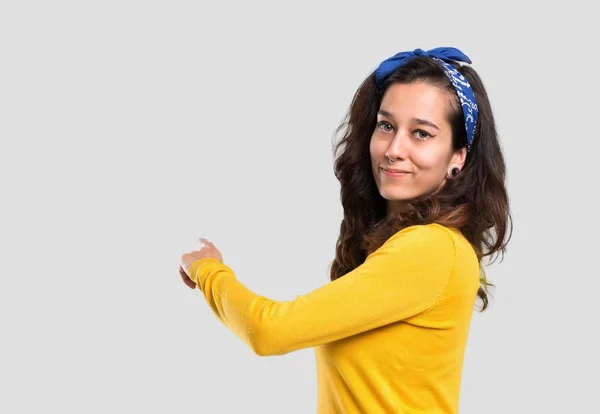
[429, 164]
[424, 160]
[375, 151]
[373, 147]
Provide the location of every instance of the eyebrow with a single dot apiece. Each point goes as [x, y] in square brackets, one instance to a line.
[416, 120]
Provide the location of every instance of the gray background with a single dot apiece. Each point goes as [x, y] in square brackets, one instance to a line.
[130, 129]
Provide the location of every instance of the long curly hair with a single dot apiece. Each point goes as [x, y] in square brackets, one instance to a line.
[475, 201]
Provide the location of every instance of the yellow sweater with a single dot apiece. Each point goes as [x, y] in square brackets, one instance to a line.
[389, 336]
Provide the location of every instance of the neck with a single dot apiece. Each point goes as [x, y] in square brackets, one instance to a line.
[395, 206]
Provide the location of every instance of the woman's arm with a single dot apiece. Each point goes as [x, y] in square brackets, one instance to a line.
[407, 275]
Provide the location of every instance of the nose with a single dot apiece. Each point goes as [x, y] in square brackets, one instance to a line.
[398, 148]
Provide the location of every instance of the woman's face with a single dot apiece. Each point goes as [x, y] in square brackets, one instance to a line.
[412, 130]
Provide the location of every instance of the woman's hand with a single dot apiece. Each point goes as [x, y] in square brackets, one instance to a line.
[208, 250]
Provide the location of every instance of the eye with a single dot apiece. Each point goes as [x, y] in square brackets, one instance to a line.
[382, 124]
[422, 135]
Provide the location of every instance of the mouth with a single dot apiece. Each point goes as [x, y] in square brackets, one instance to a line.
[398, 173]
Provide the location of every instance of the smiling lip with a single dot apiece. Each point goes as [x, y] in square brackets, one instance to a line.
[394, 173]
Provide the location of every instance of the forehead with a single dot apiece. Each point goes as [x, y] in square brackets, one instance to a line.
[419, 100]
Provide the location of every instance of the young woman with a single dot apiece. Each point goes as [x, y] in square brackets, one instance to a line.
[422, 186]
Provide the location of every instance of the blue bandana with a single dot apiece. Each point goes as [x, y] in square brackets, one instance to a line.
[460, 83]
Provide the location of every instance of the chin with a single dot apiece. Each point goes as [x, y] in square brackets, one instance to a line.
[397, 195]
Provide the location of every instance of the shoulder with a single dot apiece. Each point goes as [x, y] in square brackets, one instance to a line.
[432, 241]
[419, 245]
[433, 235]
[434, 244]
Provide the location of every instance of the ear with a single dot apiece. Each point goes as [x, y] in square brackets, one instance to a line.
[458, 158]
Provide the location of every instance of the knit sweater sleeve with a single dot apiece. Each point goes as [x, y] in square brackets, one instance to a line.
[407, 275]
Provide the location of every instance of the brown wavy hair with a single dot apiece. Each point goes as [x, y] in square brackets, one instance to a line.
[474, 202]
